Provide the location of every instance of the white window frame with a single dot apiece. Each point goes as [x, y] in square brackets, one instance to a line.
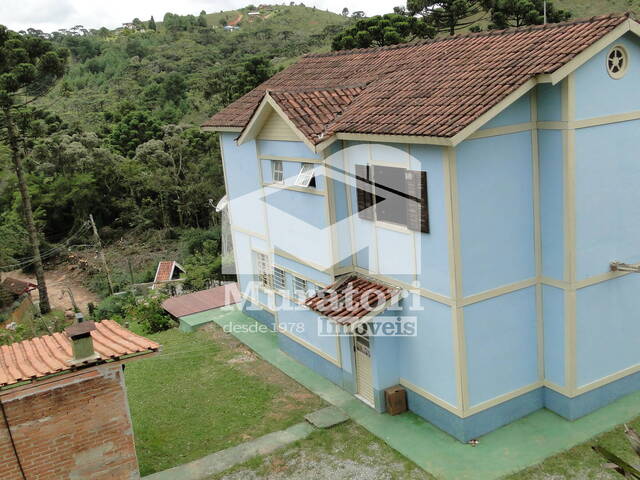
[307, 172]
[277, 171]
[297, 283]
[279, 278]
[264, 270]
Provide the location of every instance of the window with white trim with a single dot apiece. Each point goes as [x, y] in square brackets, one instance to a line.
[277, 171]
[394, 195]
[264, 270]
[279, 279]
[299, 287]
[306, 177]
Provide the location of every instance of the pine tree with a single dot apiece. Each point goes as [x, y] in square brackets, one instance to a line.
[152, 24]
[29, 67]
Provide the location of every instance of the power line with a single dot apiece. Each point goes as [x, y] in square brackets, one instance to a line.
[24, 262]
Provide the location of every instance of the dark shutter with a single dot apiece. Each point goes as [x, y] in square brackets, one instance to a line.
[417, 203]
[364, 191]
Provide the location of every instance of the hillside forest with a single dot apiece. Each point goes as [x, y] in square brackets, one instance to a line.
[115, 132]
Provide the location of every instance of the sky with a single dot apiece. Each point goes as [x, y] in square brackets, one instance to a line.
[51, 15]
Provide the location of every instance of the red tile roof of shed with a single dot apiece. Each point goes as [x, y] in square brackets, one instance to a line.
[18, 287]
[202, 301]
[431, 88]
[351, 298]
[50, 354]
[165, 271]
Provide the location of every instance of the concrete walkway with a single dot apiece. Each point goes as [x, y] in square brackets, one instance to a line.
[509, 449]
[218, 462]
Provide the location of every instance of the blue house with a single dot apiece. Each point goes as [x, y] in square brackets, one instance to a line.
[475, 192]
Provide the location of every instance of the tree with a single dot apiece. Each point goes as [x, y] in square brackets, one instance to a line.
[358, 14]
[446, 15]
[202, 19]
[345, 12]
[286, 35]
[133, 130]
[174, 88]
[389, 29]
[30, 66]
[517, 13]
[152, 24]
[229, 83]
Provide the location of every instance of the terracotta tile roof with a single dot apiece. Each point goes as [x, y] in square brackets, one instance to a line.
[351, 298]
[50, 354]
[18, 287]
[431, 88]
[165, 271]
[313, 111]
[197, 302]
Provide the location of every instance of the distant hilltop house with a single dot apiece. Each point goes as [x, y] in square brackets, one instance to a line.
[231, 28]
[483, 187]
[133, 26]
[254, 14]
[65, 409]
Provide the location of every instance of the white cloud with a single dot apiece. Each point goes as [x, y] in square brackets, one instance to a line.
[51, 15]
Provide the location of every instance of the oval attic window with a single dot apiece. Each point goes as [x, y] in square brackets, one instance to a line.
[617, 62]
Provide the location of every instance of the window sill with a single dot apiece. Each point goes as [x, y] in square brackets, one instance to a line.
[282, 186]
[396, 227]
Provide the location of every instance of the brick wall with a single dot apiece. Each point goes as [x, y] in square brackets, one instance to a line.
[77, 428]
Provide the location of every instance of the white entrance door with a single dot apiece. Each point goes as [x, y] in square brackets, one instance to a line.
[362, 348]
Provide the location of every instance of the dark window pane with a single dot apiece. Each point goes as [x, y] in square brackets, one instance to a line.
[391, 192]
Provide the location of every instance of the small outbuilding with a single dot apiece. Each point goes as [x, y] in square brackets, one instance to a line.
[64, 405]
[195, 309]
[168, 273]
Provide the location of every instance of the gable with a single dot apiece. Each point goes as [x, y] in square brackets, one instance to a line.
[598, 94]
[275, 128]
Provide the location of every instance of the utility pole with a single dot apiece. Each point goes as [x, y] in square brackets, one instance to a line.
[101, 253]
[545, 12]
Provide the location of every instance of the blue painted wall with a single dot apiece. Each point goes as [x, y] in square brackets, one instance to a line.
[243, 183]
[607, 328]
[518, 112]
[597, 94]
[307, 326]
[427, 360]
[551, 164]
[501, 342]
[495, 197]
[607, 200]
[554, 334]
[432, 250]
[549, 102]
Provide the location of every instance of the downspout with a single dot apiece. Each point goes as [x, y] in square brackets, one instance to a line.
[13, 443]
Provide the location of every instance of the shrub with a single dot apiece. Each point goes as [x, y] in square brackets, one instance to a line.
[115, 305]
[148, 312]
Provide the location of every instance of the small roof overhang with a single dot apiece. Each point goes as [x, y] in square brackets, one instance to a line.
[354, 300]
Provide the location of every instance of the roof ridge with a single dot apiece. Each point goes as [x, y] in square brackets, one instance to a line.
[488, 33]
[362, 85]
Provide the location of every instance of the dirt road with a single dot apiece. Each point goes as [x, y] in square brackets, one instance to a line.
[59, 281]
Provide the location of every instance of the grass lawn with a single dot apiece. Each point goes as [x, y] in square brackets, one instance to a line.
[206, 392]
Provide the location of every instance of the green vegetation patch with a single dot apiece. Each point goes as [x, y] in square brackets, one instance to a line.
[206, 392]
